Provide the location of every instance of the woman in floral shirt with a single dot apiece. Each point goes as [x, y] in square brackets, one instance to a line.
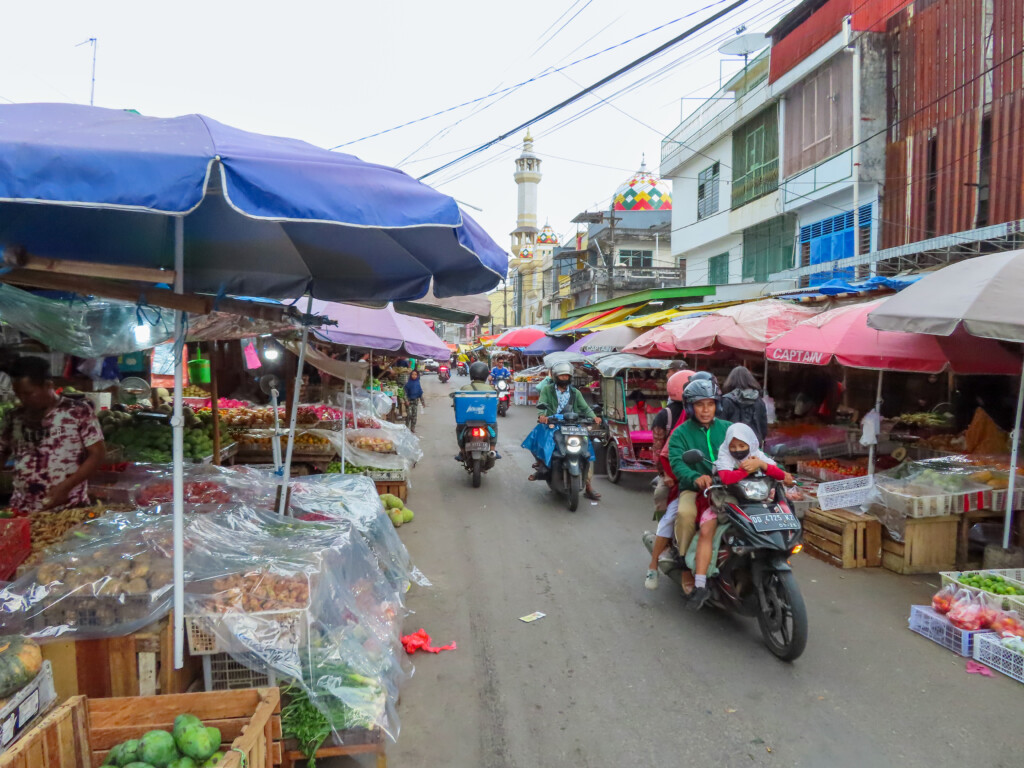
[56, 442]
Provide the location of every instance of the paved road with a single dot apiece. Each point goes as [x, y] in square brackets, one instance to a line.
[616, 675]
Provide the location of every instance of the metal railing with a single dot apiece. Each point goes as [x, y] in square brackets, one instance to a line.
[755, 183]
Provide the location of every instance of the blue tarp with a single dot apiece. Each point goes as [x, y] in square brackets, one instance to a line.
[836, 287]
[263, 215]
[541, 443]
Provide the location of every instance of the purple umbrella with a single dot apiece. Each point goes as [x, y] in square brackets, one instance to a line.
[546, 345]
[380, 330]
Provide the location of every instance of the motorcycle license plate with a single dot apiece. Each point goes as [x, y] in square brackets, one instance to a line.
[478, 447]
[575, 430]
[766, 522]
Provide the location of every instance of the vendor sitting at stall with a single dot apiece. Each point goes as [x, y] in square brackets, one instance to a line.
[56, 442]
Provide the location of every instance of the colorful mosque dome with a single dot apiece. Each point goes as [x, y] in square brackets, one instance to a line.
[643, 192]
[526, 252]
[547, 236]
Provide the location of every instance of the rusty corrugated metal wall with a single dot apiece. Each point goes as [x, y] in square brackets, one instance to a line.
[940, 76]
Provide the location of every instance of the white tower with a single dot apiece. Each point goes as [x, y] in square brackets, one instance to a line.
[527, 176]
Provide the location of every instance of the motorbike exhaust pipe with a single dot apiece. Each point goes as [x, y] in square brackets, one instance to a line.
[493, 454]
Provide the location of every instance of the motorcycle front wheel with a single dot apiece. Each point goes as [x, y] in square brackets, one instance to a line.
[575, 481]
[476, 473]
[783, 615]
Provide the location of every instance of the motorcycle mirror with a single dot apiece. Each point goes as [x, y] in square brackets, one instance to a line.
[693, 456]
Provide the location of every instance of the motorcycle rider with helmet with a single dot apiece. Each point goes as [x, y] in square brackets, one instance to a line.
[704, 432]
[562, 397]
[478, 373]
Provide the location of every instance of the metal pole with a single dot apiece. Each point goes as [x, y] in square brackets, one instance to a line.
[878, 409]
[92, 87]
[282, 503]
[178, 447]
[856, 145]
[1015, 437]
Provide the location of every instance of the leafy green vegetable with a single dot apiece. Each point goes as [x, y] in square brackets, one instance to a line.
[302, 721]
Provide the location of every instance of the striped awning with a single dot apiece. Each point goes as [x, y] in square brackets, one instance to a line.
[612, 319]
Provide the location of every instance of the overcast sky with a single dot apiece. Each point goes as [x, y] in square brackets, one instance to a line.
[333, 72]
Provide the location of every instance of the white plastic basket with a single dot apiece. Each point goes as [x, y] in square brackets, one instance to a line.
[992, 653]
[928, 622]
[1014, 576]
[840, 494]
[223, 673]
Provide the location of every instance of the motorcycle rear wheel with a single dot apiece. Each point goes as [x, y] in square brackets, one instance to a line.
[476, 473]
[573, 492]
[783, 617]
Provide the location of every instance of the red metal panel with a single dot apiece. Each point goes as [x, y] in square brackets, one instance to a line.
[1007, 47]
[894, 202]
[805, 39]
[1007, 176]
[872, 15]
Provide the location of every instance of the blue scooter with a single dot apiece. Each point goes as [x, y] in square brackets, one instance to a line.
[566, 471]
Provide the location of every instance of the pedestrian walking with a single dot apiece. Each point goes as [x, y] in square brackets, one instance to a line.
[413, 399]
[743, 402]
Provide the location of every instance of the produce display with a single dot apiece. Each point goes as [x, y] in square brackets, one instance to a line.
[192, 390]
[846, 469]
[196, 492]
[262, 417]
[992, 583]
[396, 509]
[190, 745]
[20, 662]
[255, 441]
[927, 419]
[148, 439]
[258, 590]
[48, 528]
[372, 444]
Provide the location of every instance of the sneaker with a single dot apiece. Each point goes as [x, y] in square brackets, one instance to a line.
[669, 555]
[697, 598]
[651, 580]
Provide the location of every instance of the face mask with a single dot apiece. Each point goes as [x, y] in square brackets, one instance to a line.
[739, 455]
[563, 382]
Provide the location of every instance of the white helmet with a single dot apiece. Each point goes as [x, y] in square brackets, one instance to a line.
[561, 369]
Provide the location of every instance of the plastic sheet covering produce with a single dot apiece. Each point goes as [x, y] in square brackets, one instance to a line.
[354, 498]
[390, 438]
[364, 403]
[84, 327]
[205, 484]
[111, 577]
[307, 601]
[359, 457]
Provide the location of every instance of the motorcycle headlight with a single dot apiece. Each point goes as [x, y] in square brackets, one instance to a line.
[755, 490]
[573, 444]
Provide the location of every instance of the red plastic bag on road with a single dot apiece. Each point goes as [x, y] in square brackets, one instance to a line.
[420, 641]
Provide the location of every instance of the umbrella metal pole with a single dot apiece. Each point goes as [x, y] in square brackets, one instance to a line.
[878, 410]
[764, 385]
[178, 447]
[1015, 437]
[283, 500]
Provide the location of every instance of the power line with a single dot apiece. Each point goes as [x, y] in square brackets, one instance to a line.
[567, 23]
[603, 81]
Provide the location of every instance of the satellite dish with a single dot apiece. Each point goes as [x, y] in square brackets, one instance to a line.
[744, 45]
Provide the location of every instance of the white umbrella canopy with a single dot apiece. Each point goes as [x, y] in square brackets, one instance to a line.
[983, 295]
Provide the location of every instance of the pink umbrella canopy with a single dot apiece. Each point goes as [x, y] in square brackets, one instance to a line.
[661, 341]
[843, 334]
[746, 327]
[519, 337]
[608, 340]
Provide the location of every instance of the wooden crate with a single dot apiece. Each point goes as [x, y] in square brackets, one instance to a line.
[399, 489]
[140, 664]
[361, 742]
[842, 538]
[928, 546]
[59, 740]
[249, 722]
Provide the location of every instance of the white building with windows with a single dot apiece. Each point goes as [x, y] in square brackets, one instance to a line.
[768, 173]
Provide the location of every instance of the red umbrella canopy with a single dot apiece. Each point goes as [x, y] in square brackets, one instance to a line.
[519, 337]
[747, 327]
[843, 334]
[661, 341]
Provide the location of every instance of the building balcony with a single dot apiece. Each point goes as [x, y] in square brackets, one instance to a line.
[625, 279]
[756, 183]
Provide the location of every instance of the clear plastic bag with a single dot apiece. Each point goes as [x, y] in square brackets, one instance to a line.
[942, 600]
[307, 601]
[967, 611]
[206, 484]
[361, 458]
[390, 438]
[112, 578]
[1007, 624]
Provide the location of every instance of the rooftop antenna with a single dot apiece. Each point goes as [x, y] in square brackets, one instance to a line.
[92, 90]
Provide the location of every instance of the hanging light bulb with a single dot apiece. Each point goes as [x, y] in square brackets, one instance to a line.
[270, 352]
[142, 333]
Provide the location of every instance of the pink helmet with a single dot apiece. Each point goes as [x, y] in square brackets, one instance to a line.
[677, 383]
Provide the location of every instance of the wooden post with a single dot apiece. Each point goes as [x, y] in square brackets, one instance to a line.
[214, 404]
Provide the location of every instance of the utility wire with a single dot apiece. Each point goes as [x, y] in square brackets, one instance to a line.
[603, 81]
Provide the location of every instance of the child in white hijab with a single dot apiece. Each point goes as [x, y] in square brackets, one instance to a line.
[741, 455]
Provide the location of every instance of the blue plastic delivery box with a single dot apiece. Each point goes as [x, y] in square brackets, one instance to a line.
[476, 406]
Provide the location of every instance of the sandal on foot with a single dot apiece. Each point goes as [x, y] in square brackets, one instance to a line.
[592, 495]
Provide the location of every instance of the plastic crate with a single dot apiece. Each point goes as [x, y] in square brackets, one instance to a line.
[938, 505]
[928, 622]
[1015, 576]
[849, 492]
[223, 673]
[989, 651]
[15, 545]
[476, 406]
[201, 639]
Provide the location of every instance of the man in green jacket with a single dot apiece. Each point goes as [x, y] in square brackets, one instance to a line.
[705, 433]
[562, 397]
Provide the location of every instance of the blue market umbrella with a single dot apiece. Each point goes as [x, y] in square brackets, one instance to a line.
[262, 215]
[545, 345]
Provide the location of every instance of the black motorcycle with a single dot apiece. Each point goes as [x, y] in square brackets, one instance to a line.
[754, 576]
[570, 461]
[443, 374]
[476, 430]
[461, 369]
[504, 391]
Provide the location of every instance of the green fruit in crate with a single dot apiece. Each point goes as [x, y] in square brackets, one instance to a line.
[158, 749]
[214, 760]
[20, 662]
[137, 764]
[198, 741]
[183, 721]
[184, 762]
